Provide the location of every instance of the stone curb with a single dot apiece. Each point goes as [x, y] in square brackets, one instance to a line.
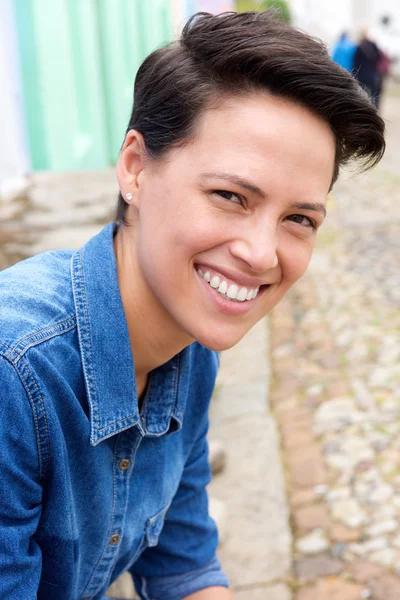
[256, 554]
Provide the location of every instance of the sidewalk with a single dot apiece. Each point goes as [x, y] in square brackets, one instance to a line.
[336, 393]
[256, 554]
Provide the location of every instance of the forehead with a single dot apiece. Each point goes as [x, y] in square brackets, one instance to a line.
[257, 133]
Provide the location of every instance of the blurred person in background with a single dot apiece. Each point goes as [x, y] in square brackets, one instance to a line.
[343, 52]
[108, 355]
[382, 73]
[366, 61]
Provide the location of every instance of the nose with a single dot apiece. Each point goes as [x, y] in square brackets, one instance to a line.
[257, 246]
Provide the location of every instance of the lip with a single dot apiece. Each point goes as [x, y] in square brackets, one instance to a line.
[224, 304]
[236, 278]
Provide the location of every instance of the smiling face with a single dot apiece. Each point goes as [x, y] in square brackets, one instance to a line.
[225, 225]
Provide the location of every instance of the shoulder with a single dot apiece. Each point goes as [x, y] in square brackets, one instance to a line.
[35, 294]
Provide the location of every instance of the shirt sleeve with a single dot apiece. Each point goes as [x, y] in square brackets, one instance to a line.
[184, 561]
[20, 490]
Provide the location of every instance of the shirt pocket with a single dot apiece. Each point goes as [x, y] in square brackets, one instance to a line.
[154, 526]
[151, 534]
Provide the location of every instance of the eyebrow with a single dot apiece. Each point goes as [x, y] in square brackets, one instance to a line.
[311, 206]
[235, 179]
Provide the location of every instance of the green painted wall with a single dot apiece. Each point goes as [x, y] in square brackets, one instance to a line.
[78, 63]
[127, 36]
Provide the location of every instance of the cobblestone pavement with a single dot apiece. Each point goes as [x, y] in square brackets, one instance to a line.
[336, 392]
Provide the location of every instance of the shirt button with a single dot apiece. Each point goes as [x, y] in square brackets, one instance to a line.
[114, 539]
[124, 464]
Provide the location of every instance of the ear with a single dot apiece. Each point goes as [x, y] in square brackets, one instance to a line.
[130, 166]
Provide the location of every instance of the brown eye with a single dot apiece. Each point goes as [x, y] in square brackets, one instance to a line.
[303, 221]
[230, 196]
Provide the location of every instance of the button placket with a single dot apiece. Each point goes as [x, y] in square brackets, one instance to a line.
[126, 445]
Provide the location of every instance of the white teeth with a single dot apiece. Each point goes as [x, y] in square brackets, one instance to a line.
[223, 287]
[232, 291]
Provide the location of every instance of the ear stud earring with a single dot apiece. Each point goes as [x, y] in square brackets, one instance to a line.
[128, 196]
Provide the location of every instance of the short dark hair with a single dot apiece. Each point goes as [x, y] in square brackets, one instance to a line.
[233, 53]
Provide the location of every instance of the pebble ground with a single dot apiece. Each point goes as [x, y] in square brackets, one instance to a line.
[336, 391]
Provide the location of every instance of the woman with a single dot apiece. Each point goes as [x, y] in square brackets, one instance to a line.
[109, 355]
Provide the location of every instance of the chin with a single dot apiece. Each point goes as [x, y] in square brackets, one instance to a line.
[219, 343]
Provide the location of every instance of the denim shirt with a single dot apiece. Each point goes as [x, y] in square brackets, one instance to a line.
[90, 487]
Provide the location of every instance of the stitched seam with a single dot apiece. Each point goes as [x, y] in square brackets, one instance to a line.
[88, 324]
[6, 346]
[45, 339]
[106, 436]
[147, 404]
[78, 294]
[178, 411]
[35, 416]
[60, 324]
[36, 420]
[88, 327]
[43, 409]
[177, 378]
[116, 422]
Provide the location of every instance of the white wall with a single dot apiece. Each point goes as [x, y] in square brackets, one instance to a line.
[183, 9]
[14, 155]
[179, 15]
[322, 19]
[327, 19]
[388, 37]
[211, 6]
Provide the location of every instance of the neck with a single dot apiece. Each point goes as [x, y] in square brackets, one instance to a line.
[154, 336]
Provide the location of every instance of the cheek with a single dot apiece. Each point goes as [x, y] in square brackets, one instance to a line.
[180, 226]
[295, 258]
[169, 243]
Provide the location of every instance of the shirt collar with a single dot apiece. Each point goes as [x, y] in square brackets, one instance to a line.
[106, 352]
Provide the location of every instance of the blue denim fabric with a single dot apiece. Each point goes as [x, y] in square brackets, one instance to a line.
[72, 515]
